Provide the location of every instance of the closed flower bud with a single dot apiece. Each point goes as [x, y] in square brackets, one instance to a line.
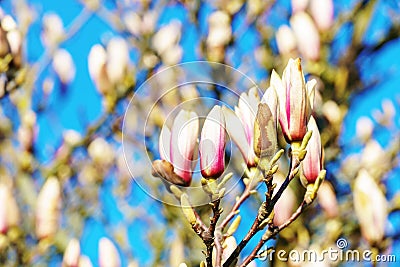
[108, 254]
[307, 35]
[9, 212]
[177, 149]
[364, 128]
[97, 60]
[294, 104]
[117, 59]
[101, 152]
[240, 127]
[168, 36]
[48, 208]
[285, 40]
[312, 163]
[327, 200]
[15, 41]
[370, 206]
[322, 13]
[53, 29]
[84, 261]
[265, 141]
[284, 207]
[64, 66]
[299, 5]
[212, 144]
[72, 254]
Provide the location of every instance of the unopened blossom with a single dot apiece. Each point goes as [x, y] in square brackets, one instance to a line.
[117, 59]
[219, 29]
[322, 13]
[364, 128]
[4, 45]
[53, 29]
[72, 254]
[375, 159]
[101, 152]
[64, 66]
[299, 5]
[9, 211]
[294, 104]
[265, 139]
[370, 206]
[97, 61]
[327, 199]
[285, 205]
[285, 40]
[312, 163]
[108, 254]
[48, 208]
[212, 144]
[240, 124]
[177, 149]
[307, 35]
[167, 36]
[84, 261]
[15, 41]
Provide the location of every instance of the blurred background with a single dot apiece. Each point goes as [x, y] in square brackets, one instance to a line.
[69, 69]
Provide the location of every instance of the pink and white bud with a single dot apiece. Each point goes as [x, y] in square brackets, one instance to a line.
[84, 261]
[327, 200]
[15, 41]
[285, 40]
[294, 104]
[72, 254]
[241, 127]
[212, 144]
[183, 142]
[307, 35]
[108, 254]
[64, 66]
[312, 163]
[285, 205]
[322, 13]
[48, 208]
[9, 212]
[117, 59]
[167, 36]
[370, 206]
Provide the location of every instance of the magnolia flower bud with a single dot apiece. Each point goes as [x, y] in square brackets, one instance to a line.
[294, 104]
[53, 29]
[118, 59]
[84, 261]
[241, 127]
[108, 254]
[265, 140]
[327, 199]
[177, 149]
[307, 35]
[101, 152]
[370, 206]
[312, 163]
[64, 66]
[364, 128]
[4, 45]
[285, 40]
[167, 37]
[299, 5]
[97, 68]
[219, 29]
[284, 207]
[212, 144]
[322, 13]
[9, 212]
[72, 254]
[48, 208]
[14, 39]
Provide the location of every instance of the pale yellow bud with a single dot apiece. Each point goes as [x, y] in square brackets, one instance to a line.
[48, 208]
[97, 60]
[307, 35]
[285, 40]
[364, 128]
[117, 59]
[108, 254]
[84, 261]
[327, 199]
[72, 254]
[101, 152]
[64, 66]
[167, 37]
[53, 29]
[9, 212]
[220, 31]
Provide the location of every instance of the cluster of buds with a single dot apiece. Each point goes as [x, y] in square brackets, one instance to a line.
[10, 40]
[166, 43]
[252, 127]
[219, 35]
[9, 212]
[303, 33]
[108, 66]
